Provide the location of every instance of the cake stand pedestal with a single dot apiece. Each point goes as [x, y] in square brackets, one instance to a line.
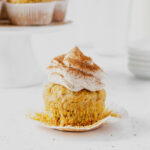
[18, 65]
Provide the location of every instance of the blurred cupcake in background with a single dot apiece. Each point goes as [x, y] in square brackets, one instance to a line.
[0, 7]
[60, 10]
[3, 10]
[30, 12]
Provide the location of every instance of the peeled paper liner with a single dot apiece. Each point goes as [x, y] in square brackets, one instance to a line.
[78, 128]
[6, 23]
[115, 110]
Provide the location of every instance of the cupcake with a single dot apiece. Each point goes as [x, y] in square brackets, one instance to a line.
[0, 7]
[30, 12]
[3, 11]
[60, 10]
[75, 95]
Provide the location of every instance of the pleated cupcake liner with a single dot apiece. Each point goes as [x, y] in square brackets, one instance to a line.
[60, 10]
[31, 13]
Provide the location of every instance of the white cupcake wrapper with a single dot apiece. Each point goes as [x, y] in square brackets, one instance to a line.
[31, 13]
[60, 10]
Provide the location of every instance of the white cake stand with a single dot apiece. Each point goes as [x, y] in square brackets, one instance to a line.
[18, 66]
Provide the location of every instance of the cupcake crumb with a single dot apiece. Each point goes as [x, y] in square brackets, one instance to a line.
[53, 139]
[134, 134]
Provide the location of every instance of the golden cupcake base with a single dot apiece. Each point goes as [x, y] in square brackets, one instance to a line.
[66, 107]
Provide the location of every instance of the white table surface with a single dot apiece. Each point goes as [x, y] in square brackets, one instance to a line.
[19, 133]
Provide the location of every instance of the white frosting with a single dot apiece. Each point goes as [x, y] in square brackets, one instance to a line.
[74, 77]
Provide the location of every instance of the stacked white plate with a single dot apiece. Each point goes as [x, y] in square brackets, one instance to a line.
[139, 58]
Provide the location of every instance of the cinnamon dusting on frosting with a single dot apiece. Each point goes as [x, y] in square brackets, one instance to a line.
[76, 71]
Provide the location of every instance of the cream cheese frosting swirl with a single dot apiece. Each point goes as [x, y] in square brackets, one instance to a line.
[75, 71]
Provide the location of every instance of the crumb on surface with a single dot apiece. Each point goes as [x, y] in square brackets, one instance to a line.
[134, 134]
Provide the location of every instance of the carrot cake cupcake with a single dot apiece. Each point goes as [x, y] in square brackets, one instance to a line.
[3, 14]
[60, 10]
[0, 7]
[75, 94]
[30, 12]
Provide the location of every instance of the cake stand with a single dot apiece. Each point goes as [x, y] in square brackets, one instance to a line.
[18, 65]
